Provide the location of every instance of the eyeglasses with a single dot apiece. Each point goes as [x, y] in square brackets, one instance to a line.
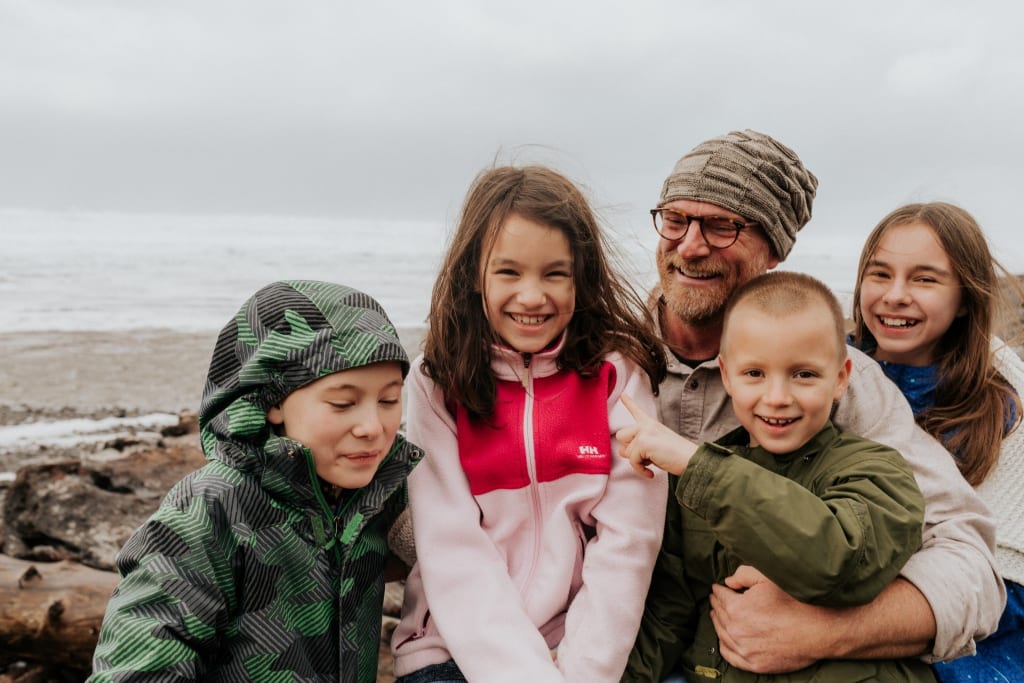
[718, 231]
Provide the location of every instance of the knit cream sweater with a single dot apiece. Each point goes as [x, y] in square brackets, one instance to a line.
[1003, 489]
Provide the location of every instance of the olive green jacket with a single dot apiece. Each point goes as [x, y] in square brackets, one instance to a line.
[831, 524]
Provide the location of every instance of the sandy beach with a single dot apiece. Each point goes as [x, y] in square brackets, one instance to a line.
[55, 375]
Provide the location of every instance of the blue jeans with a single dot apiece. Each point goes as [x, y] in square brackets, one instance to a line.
[445, 672]
[1000, 657]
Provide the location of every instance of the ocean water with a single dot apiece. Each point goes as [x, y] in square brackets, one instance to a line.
[105, 271]
[109, 271]
[93, 271]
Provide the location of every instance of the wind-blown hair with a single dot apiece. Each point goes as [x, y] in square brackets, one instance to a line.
[972, 398]
[609, 315]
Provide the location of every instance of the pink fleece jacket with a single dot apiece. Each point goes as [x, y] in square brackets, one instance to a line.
[532, 534]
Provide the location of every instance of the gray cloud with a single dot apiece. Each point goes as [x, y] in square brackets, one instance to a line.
[389, 109]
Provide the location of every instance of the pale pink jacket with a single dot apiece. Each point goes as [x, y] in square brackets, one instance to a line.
[532, 536]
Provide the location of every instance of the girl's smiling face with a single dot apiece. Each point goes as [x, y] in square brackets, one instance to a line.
[909, 294]
[528, 288]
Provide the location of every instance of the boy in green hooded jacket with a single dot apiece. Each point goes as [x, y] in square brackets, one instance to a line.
[268, 563]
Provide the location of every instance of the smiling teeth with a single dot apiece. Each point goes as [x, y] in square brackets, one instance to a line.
[528, 319]
[695, 274]
[897, 322]
[779, 422]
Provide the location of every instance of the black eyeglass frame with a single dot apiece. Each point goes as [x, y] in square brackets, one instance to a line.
[736, 227]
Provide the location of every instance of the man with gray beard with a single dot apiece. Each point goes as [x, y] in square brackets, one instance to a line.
[730, 211]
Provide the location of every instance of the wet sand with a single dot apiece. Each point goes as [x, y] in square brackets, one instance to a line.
[47, 375]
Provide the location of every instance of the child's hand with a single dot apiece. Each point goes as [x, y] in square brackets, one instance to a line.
[649, 442]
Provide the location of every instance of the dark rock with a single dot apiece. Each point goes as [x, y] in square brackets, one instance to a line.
[188, 423]
[85, 510]
[122, 442]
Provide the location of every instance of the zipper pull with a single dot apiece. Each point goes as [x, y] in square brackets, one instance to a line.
[527, 357]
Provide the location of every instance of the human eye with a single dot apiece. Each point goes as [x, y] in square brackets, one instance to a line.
[805, 374]
[753, 373]
[724, 227]
[676, 220]
[340, 405]
[876, 274]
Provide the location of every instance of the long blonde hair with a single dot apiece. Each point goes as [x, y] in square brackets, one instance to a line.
[973, 401]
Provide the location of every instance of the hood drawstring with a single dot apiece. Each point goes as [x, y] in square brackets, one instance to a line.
[323, 539]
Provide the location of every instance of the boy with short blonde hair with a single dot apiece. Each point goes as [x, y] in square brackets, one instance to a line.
[828, 516]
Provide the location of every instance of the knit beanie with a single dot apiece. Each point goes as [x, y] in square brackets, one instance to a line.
[751, 174]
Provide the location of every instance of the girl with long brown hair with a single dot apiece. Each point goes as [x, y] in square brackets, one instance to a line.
[535, 541]
[926, 304]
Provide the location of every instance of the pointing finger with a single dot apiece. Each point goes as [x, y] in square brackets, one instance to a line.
[636, 411]
[626, 435]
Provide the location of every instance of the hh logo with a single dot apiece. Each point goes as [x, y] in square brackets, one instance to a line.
[587, 452]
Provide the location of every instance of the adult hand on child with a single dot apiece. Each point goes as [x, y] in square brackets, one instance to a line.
[760, 627]
[649, 442]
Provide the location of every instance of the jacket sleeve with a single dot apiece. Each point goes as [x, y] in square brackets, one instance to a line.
[666, 627]
[837, 545]
[400, 538]
[477, 610]
[603, 618]
[1001, 489]
[954, 569]
[164, 619]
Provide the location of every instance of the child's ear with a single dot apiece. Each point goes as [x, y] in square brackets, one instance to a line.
[725, 374]
[275, 416]
[843, 380]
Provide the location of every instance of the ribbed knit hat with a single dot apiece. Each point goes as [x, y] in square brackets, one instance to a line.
[751, 174]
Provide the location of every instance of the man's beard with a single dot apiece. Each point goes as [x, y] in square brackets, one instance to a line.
[703, 305]
[693, 305]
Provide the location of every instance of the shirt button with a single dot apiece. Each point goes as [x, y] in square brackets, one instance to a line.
[693, 384]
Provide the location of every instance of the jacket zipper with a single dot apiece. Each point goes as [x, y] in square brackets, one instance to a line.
[525, 379]
[531, 466]
[335, 527]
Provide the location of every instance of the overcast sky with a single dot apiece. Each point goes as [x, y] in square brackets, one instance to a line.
[389, 108]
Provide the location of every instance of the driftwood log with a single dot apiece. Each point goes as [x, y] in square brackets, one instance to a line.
[51, 612]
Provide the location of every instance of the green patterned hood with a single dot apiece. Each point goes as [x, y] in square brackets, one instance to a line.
[284, 337]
